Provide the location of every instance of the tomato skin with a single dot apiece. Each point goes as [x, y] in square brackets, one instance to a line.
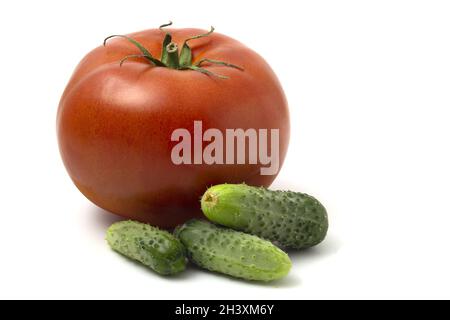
[114, 124]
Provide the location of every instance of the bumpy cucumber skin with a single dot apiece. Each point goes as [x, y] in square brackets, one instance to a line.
[290, 219]
[157, 249]
[233, 253]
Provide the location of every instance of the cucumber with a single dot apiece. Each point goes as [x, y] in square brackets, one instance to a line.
[290, 219]
[231, 252]
[157, 249]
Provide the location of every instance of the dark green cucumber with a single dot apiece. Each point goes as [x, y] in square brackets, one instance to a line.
[231, 252]
[155, 248]
[291, 219]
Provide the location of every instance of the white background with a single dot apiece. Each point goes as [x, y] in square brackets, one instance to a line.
[368, 84]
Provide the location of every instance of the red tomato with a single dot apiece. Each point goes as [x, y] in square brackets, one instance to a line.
[115, 122]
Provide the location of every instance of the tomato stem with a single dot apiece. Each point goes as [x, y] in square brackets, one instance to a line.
[221, 63]
[161, 27]
[171, 57]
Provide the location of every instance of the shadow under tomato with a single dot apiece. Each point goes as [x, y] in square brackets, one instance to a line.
[102, 218]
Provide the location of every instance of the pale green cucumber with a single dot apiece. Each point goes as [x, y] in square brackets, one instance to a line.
[233, 253]
[290, 219]
[155, 248]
